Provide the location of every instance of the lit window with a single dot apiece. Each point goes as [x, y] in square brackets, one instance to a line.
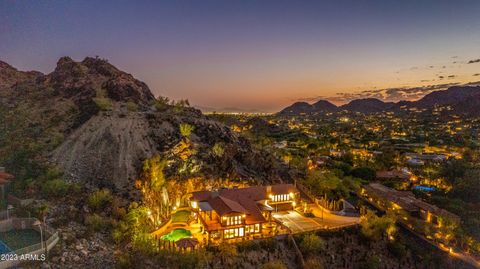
[235, 220]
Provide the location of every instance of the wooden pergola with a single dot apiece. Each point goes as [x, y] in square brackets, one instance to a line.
[187, 243]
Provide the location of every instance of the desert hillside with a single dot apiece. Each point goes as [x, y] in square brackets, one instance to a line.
[98, 124]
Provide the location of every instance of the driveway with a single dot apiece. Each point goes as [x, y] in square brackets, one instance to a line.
[298, 223]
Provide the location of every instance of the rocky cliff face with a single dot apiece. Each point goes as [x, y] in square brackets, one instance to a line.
[106, 126]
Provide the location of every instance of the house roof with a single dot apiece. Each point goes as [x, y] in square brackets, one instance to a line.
[392, 174]
[241, 200]
[223, 205]
[407, 200]
[6, 176]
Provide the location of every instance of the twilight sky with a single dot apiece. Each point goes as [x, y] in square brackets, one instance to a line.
[256, 54]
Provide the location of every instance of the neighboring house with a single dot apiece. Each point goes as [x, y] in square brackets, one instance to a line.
[393, 174]
[415, 162]
[241, 212]
[387, 198]
[426, 157]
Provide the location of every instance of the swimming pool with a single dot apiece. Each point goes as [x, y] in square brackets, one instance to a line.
[4, 249]
[17, 239]
[424, 188]
[176, 235]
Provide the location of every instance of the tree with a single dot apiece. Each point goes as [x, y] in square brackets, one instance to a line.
[387, 159]
[453, 170]
[326, 183]
[373, 227]
[365, 173]
[152, 185]
[467, 187]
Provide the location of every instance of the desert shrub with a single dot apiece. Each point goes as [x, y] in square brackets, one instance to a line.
[311, 243]
[96, 222]
[186, 129]
[274, 265]
[269, 244]
[397, 249]
[180, 105]
[100, 199]
[218, 150]
[372, 262]
[162, 103]
[131, 106]
[313, 263]
[55, 188]
[248, 246]
[103, 103]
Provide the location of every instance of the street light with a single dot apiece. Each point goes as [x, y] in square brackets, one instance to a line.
[9, 207]
[39, 224]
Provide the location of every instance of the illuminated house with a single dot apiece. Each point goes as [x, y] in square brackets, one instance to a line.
[386, 198]
[241, 212]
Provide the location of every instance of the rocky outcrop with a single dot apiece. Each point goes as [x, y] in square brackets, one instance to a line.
[106, 125]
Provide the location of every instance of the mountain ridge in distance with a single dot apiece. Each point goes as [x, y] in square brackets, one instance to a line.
[462, 99]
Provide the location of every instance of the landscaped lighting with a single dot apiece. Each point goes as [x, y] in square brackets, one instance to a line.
[294, 204]
[194, 204]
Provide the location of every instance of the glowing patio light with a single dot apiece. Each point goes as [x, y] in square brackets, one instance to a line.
[194, 204]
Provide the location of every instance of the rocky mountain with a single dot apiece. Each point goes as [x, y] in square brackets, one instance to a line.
[98, 123]
[462, 99]
[324, 106]
[452, 96]
[367, 105]
[306, 108]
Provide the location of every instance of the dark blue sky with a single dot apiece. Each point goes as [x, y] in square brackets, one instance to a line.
[253, 54]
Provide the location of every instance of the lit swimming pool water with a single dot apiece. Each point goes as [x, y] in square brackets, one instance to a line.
[4, 249]
[176, 235]
[424, 188]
